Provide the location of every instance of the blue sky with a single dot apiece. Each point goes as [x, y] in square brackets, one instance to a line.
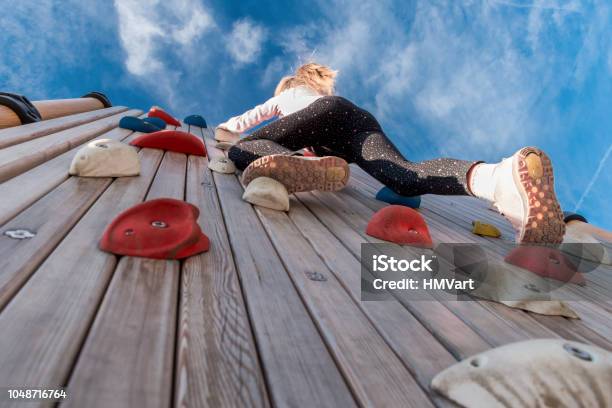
[466, 79]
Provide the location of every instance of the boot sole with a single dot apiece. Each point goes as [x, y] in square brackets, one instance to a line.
[297, 174]
[543, 223]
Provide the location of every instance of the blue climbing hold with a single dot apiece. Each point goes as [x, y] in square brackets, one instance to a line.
[389, 196]
[195, 120]
[156, 122]
[137, 125]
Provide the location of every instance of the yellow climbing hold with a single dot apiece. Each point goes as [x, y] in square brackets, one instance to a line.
[485, 230]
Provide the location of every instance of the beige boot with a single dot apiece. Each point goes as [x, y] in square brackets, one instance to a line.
[521, 187]
[299, 173]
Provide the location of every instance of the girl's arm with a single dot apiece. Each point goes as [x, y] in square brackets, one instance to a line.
[253, 117]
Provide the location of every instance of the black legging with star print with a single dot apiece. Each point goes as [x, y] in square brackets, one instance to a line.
[334, 126]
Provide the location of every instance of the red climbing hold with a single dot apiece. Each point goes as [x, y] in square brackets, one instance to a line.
[309, 153]
[162, 229]
[156, 112]
[172, 140]
[400, 224]
[546, 262]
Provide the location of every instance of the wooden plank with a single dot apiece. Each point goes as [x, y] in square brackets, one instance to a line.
[375, 373]
[482, 316]
[45, 323]
[217, 362]
[490, 327]
[133, 333]
[597, 316]
[127, 358]
[49, 219]
[400, 329]
[443, 211]
[299, 369]
[55, 108]
[452, 332]
[20, 192]
[8, 117]
[20, 134]
[599, 280]
[19, 158]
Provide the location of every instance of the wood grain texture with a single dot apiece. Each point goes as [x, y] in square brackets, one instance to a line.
[299, 369]
[595, 318]
[20, 134]
[49, 317]
[19, 158]
[50, 219]
[144, 292]
[451, 331]
[480, 315]
[55, 108]
[127, 358]
[450, 218]
[8, 118]
[482, 319]
[375, 374]
[217, 363]
[400, 329]
[23, 190]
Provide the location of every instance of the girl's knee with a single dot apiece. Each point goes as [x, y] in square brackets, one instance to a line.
[239, 157]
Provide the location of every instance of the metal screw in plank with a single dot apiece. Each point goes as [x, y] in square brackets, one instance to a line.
[576, 352]
[19, 234]
[531, 287]
[315, 276]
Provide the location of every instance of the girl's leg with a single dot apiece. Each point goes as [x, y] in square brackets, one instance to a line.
[325, 120]
[252, 148]
[521, 187]
[373, 152]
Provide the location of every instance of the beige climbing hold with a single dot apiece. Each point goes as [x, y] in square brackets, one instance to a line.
[267, 192]
[223, 135]
[222, 165]
[532, 373]
[520, 289]
[543, 307]
[505, 283]
[581, 242]
[223, 145]
[105, 158]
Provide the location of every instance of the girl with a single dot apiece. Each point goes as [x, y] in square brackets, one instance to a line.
[520, 187]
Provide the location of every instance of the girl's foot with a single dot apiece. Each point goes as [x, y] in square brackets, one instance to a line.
[298, 173]
[521, 187]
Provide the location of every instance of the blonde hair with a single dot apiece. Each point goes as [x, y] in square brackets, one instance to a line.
[320, 78]
[285, 83]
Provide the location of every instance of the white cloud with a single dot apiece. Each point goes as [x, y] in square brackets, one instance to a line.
[146, 27]
[139, 32]
[156, 36]
[245, 40]
[470, 73]
[33, 44]
[192, 22]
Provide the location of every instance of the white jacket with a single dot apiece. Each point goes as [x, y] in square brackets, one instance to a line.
[285, 103]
